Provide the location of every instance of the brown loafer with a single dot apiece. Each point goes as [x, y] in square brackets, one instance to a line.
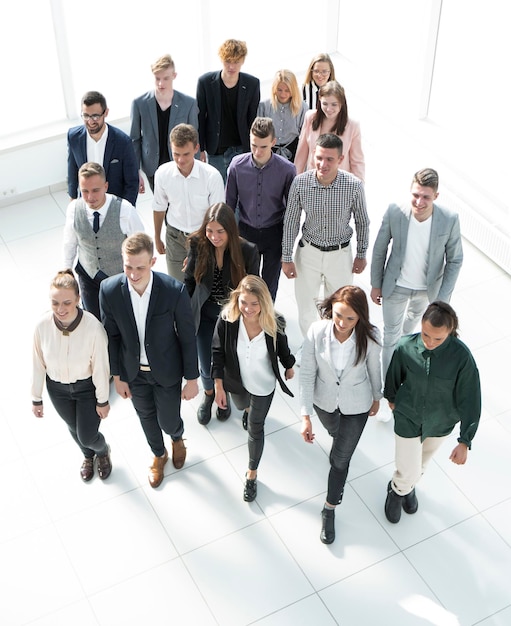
[178, 453]
[104, 465]
[87, 469]
[156, 470]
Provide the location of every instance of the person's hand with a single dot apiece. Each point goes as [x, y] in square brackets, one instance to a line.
[190, 390]
[289, 373]
[376, 296]
[289, 269]
[185, 264]
[103, 411]
[38, 410]
[122, 388]
[220, 395]
[203, 156]
[141, 184]
[392, 406]
[459, 454]
[306, 431]
[359, 265]
[160, 246]
[375, 407]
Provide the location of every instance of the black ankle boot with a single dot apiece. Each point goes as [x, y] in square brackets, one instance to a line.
[204, 410]
[410, 503]
[328, 526]
[393, 505]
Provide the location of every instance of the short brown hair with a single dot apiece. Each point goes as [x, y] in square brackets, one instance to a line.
[181, 134]
[233, 50]
[137, 243]
[163, 63]
[426, 177]
[65, 279]
[92, 169]
[263, 127]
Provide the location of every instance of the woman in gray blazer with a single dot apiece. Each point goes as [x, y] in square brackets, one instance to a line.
[340, 378]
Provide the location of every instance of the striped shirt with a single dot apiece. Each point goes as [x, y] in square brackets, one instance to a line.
[328, 210]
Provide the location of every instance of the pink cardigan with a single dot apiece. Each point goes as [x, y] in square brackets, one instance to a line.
[352, 147]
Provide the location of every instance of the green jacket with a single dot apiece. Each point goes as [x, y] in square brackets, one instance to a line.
[433, 390]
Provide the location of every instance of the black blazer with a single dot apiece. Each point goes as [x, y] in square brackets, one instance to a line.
[200, 293]
[225, 356]
[120, 163]
[209, 101]
[169, 335]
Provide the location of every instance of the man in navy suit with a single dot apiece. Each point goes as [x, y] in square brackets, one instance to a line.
[155, 114]
[152, 347]
[98, 142]
[228, 102]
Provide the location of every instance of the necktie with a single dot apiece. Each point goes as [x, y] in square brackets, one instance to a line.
[95, 224]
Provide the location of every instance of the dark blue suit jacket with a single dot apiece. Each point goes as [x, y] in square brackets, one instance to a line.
[209, 101]
[169, 335]
[120, 163]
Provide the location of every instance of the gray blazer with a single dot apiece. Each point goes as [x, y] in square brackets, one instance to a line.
[356, 389]
[445, 254]
[144, 126]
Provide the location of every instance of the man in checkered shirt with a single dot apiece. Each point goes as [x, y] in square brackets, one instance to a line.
[329, 197]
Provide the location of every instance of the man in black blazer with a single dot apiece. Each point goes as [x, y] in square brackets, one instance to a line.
[152, 347]
[98, 142]
[228, 102]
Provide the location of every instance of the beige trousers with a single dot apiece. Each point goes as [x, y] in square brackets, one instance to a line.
[412, 458]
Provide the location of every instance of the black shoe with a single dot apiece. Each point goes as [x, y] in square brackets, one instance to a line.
[328, 526]
[223, 414]
[104, 465]
[244, 420]
[250, 489]
[410, 503]
[204, 410]
[393, 505]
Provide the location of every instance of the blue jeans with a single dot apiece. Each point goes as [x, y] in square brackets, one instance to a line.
[221, 161]
[346, 431]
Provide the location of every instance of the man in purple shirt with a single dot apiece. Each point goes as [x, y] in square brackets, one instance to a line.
[258, 184]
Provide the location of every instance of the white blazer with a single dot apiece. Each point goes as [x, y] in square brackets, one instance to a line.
[356, 389]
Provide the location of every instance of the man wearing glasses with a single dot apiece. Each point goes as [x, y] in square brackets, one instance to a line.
[98, 142]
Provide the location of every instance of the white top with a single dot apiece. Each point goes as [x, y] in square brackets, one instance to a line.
[67, 358]
[342, 353]
[415, 262]
[140, 304]
[253, 357]
[129, 222]
[96, 149]
[187, 197]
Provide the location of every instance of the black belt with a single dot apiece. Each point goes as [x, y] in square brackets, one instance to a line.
[327, 248]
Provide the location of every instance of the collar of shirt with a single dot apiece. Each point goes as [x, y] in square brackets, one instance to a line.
[102, 211]
[268, 162]
[147, 290]
[174, 170]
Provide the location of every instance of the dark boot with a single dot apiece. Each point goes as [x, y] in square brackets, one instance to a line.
[328, 526]
[204, 410]
[393, 505]
[410, 503]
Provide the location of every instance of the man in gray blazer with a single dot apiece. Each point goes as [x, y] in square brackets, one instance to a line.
[423, 264]
[154, 115]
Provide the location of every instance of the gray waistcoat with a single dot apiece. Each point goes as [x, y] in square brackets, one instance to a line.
[101, 250]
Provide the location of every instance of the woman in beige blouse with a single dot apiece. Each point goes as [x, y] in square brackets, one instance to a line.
[71, 353]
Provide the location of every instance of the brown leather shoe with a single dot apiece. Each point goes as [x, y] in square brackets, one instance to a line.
[87, 469]
[104, 465]
[178, 453]
[156, 470]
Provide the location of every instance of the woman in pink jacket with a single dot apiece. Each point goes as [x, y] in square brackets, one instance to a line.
[331, 116]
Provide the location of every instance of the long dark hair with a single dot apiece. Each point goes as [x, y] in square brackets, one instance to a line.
[332, 88]
[355, 298]
[205, 250]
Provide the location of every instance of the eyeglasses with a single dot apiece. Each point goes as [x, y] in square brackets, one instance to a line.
[94, 117]
[321, 72]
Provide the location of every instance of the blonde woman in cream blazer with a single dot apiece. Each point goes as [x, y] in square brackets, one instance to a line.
[340, 380]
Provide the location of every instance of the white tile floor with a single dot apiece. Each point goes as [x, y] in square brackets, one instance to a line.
[192, 552]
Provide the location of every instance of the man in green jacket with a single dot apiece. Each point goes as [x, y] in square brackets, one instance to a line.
[432, 384]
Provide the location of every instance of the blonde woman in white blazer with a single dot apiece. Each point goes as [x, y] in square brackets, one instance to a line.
[340, 379]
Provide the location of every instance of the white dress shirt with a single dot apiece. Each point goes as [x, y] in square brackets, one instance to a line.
[96, 149]
[253, 357]
[140, 304]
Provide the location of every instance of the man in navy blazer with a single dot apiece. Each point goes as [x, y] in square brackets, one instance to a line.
[423, 264]
[98, 142]
[152, 347]
[228, 102]
[155, 114]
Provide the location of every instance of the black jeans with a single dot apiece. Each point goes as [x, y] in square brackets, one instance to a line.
[89, 290]
[346, 431]
[158, 408]
[76, 405]
[259, 407]
[208, 318]
[269, 245]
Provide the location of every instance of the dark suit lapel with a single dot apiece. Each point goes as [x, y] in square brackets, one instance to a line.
[155, 290]
[82, 144]
[109, 148]
[127, 303]
[151, 105]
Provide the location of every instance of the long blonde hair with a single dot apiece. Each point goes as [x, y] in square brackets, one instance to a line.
[255, 286]
[289, 79]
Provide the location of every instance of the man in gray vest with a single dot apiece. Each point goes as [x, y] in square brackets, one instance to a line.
[96, 225]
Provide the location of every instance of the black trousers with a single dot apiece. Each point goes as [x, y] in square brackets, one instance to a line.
[89, 290]
[76, 405]
[259, 407]
[269, 245]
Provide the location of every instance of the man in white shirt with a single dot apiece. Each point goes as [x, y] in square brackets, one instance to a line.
[96, 225]
[423, 264]
[184, 189]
